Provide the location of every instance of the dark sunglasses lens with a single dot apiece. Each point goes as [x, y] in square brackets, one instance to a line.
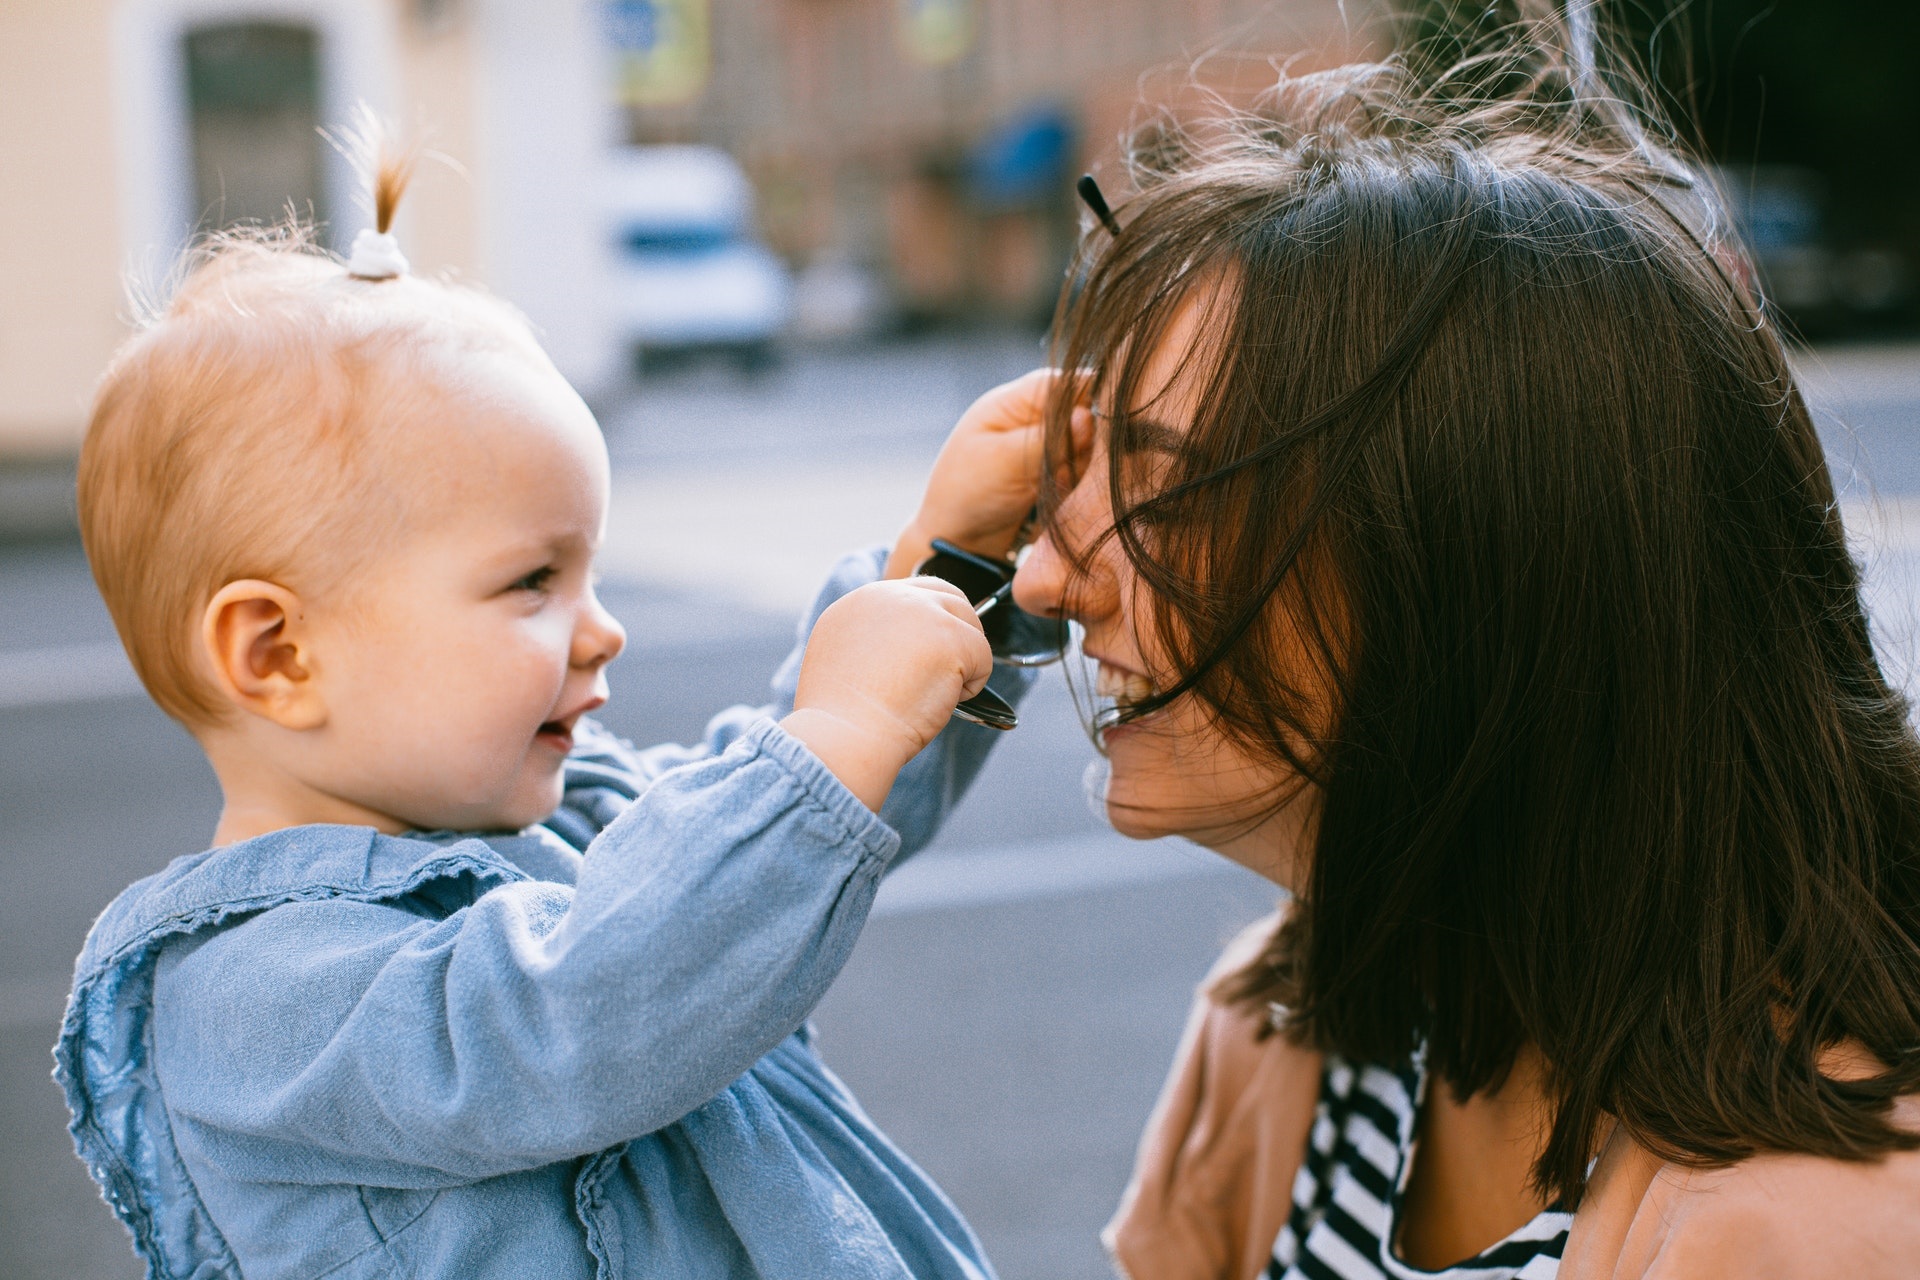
[988, 708]
[1016, 636]
[1026, 640]
[977, 578]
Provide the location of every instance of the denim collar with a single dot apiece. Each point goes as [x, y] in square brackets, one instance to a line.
[119, 1125]
[298, 864]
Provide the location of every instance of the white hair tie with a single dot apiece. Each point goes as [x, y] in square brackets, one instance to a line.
[376, 256]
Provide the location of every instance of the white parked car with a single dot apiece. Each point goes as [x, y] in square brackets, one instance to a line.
[691, 275]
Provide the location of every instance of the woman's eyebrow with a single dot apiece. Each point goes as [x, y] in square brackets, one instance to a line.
[1148, 436]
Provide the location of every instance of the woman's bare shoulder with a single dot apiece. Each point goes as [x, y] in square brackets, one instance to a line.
[1782, 1216]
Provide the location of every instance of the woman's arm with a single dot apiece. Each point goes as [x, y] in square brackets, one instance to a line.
[1213, 1176]
[1779, 1215]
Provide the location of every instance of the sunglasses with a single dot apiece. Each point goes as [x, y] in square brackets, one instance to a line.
[1017, 638]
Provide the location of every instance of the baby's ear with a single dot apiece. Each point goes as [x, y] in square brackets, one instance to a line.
[257, 640]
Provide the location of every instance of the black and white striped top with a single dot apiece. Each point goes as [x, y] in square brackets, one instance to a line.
[1348, 1194]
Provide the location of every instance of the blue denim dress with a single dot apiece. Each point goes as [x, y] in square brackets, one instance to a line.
[576, 1051]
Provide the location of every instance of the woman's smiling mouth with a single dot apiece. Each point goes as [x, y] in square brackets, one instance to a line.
[1117, 691]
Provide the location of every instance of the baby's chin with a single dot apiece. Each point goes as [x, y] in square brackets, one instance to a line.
[536, 808]
[530, 803]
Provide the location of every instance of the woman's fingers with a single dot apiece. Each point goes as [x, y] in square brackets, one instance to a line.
[1020, 403]
[1081, 425]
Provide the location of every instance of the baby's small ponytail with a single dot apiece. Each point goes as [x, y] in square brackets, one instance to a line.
[384, 170]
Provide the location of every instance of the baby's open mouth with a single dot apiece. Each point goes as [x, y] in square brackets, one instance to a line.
[558, 732]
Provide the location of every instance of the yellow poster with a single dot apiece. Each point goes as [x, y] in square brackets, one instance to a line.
[662, 49]
[936, 32]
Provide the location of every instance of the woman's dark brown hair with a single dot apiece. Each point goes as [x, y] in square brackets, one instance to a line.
[1494, 433]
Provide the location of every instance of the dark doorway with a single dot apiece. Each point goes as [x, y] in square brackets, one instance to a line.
[253, 96]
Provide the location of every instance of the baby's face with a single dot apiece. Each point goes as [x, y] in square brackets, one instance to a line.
[458, 664]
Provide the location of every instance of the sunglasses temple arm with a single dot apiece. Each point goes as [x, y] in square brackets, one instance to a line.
[988, 605]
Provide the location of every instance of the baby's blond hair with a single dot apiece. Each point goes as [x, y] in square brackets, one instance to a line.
[249, 430]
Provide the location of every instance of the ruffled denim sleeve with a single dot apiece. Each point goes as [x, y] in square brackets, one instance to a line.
[377, 1043]
[605, 774]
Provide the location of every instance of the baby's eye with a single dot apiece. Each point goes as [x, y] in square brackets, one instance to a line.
[538, 580]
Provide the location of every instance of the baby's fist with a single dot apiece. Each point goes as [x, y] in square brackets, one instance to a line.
[885, 666]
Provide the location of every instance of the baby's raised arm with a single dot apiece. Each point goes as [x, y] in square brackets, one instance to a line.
[883, 672]
[533, 1021]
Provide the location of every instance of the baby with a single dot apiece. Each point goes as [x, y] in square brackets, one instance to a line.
[344, 520]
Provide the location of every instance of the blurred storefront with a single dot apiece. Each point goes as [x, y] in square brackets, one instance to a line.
[126, 125]
[931, 143]
[910, 158]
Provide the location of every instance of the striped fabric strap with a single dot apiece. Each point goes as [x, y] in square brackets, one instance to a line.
[1348, 1193]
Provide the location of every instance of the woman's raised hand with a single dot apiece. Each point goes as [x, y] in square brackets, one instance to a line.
[987, 476]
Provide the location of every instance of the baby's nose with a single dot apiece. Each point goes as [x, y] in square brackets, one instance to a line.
[599, 637]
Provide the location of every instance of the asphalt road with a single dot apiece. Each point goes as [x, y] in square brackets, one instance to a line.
[1012, 1006]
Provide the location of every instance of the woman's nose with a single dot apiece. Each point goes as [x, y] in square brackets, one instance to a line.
[1040, 583]
[598, 637]
[1054, 579]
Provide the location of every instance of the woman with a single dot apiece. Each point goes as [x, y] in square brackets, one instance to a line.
[1456, 551]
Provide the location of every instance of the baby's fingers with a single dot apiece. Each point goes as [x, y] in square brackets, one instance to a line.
[976, 654]
[952, 598]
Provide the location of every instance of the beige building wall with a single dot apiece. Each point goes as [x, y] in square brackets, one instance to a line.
[437, 68]
[61, 310]
[852, 144]
[95, 186]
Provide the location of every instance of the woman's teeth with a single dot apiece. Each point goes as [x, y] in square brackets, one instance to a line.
[1121, 691]
[1124, 687]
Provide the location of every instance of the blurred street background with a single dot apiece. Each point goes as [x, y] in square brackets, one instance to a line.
[1010, 1011]
[780, 245]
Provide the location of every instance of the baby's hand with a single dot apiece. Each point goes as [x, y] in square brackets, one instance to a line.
[987, 476]
[885, 666]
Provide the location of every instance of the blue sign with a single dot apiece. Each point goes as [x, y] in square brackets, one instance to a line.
[632, 25]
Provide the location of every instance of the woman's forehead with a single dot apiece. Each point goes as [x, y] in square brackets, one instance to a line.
[1164, 392]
